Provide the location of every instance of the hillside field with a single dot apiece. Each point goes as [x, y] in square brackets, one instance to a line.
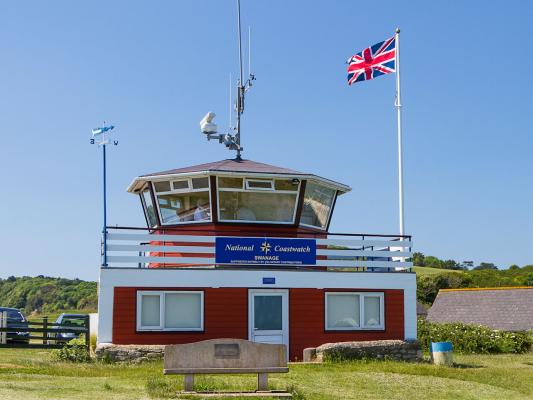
[420, 271]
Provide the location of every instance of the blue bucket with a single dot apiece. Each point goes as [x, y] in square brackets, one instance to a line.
[442, 353]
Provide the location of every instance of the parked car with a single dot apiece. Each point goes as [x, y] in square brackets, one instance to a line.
[68, 321]
[19, 325]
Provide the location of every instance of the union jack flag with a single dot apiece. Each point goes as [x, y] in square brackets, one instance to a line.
[373, 61]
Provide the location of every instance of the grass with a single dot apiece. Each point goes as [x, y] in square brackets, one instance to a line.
[433, 271]
[32, 374]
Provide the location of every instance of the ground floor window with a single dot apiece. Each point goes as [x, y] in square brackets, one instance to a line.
[170, 310]
[354, 311]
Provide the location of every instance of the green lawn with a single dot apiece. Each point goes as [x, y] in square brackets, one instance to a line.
[433, 271]
[32, 374]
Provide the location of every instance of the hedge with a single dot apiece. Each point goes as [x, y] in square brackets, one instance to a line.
[474, 339]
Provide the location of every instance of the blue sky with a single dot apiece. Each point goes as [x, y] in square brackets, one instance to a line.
[154, 68]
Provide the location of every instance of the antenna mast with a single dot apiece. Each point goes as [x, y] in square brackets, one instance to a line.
[207, 126]
[240, 87]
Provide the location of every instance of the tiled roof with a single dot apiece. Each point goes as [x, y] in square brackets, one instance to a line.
[509, 309]
[234, 166]
[231, 165]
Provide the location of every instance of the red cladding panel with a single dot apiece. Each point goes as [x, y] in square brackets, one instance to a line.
[226, 316]
[307, 326]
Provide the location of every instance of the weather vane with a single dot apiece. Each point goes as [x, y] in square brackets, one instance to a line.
[100, 136]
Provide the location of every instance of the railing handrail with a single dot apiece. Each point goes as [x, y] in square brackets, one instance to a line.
[177, 247]
[258, 233]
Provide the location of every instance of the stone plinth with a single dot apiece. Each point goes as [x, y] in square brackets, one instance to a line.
[128, 353]
[378, 349]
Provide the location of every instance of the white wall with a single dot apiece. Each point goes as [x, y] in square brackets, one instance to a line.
[93, 321]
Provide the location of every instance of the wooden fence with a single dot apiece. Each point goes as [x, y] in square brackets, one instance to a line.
[40, 334]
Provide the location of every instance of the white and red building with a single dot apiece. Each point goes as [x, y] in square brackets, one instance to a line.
[242, 249]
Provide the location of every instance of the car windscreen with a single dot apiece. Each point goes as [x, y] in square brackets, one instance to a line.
[13, 315]
[72, 321]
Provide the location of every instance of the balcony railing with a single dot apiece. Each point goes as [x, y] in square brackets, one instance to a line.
[168, 248]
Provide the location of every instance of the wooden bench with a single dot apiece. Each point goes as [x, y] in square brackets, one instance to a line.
[225, 356]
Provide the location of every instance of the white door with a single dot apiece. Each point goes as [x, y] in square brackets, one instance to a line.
[268, 316]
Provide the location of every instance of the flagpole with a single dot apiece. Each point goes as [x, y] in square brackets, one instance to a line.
[398, 104]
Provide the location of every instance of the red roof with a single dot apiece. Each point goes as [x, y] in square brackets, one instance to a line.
[231, 165]
[238, 166]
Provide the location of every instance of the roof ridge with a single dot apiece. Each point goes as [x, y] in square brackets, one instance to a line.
[489, 288]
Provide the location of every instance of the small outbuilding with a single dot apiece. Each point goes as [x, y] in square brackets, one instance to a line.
[505, 308]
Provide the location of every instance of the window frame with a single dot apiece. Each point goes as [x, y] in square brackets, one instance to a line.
[256, 190]
[184, 191]
[331, 205]
[362, 326]
[161, 327]
[247, 187]
[189, 185]
[148, 188]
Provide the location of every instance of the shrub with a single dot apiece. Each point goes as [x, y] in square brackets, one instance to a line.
[74, 351]
[93, 342]
[474, 339]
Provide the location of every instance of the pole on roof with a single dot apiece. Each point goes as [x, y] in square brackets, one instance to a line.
[240, 86]
[207, 126]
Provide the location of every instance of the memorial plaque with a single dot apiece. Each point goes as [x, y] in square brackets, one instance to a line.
[227, 350]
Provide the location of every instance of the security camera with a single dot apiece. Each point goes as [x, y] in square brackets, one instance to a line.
[206, 124]
[227, 140]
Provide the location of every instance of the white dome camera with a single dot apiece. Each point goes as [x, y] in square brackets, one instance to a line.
[206, 124]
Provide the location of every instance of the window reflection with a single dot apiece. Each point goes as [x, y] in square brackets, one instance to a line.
[149, 210]
[184, 207]
[253, 206]
[317, 205]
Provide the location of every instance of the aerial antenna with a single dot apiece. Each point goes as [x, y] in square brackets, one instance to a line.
[240, 86]
[249, 50]
[230, 115]
[207, 126]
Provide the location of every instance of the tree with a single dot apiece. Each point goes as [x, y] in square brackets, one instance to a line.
[528, 279]
[484, 265]
[429, 285]
[432, 262]
[418, 259]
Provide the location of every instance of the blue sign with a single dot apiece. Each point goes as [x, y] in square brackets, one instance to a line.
[269, 281]
[246, 251]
